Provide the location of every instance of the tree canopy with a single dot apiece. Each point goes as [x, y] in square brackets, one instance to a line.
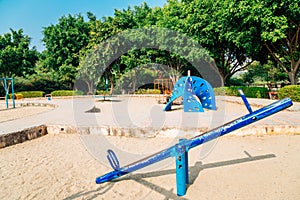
[234, 35]
[63, 43]
[16, 57]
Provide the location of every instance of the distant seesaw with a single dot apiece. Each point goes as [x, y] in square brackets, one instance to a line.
[180, 150]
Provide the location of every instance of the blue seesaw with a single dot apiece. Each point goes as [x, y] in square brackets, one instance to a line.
[196, 92]
[180, 150]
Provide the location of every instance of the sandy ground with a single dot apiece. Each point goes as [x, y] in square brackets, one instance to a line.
[20, 112]
[232, 167]
[59, 167]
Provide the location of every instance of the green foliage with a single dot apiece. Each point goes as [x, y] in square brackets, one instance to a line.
[31, 94]
[234, 33]
[16, 58]
[147, 91]
[276, 25]
[102, 92]
[291, 91]
[236, 82]
[63, 42]
[66, 93]
[266, 73]
[41, 81]
[220, 91]
[251, 92]
[215, 25]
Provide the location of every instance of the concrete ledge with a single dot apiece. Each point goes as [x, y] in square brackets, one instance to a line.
[167, 131]
[126, 131]
[22, 136]
[38, 131]
[268, 130]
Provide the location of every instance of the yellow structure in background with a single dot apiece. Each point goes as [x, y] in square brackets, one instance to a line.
[165, 85]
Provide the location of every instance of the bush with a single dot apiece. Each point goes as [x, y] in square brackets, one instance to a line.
[40, 83]
[17, 96]
[251, 92]
[31, 94]
[235, 82]
[66, 93]
[147, 91]
[291, 91]
[220, 91]
[102, 92]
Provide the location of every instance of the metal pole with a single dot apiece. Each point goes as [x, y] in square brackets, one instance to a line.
[245, 100]
[181, 168]
[6, 92]
[13, 92]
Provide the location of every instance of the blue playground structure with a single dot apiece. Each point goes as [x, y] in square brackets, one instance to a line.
[196, 92]
[6, 83]
[180, 150]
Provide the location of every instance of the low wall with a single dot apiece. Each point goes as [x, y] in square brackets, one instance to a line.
[22, 136]
[38, 131]
[169, 131]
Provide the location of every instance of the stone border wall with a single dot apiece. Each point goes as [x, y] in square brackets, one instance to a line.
[38, 131]
[22, 136]
[168, 131]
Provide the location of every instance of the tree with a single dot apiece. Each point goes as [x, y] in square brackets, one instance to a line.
[106, 41]
[16, 58]
[273, 28]
[281, 34]
[214, 24]
[265, 73]
[63, 44]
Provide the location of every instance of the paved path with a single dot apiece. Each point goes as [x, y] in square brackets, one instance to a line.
[144, 114]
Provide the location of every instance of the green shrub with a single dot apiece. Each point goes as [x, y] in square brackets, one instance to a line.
[102, 92]
[31, 94]
[147, 91]
[291, 91]
[66, 93]
[220, 91]
[251, 92]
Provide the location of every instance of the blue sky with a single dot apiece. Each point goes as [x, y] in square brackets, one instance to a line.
[33, 15]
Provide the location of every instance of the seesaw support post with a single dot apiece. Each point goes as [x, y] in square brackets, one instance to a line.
[182, 168]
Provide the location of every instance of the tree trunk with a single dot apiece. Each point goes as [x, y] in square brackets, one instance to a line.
[90, 87]
[293, 78]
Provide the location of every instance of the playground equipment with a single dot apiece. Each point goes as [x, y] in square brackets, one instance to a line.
[165, 85]
[180, 150]
[105, 94]
[6, 83]
[196, 93]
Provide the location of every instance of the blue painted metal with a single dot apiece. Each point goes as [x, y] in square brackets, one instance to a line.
[6, 92]
[200, 87]
[182, 175]
[245, 100]
[191, 104]
[176, 150]
[177, 92]
[112, 159]
[13, 92]
[6, 88]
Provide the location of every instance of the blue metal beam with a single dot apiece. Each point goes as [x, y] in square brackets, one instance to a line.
[200, 139]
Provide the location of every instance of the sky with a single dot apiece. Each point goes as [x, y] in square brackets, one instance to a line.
[33, 15]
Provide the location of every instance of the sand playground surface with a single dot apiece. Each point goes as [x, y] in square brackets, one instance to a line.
[60, 166]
